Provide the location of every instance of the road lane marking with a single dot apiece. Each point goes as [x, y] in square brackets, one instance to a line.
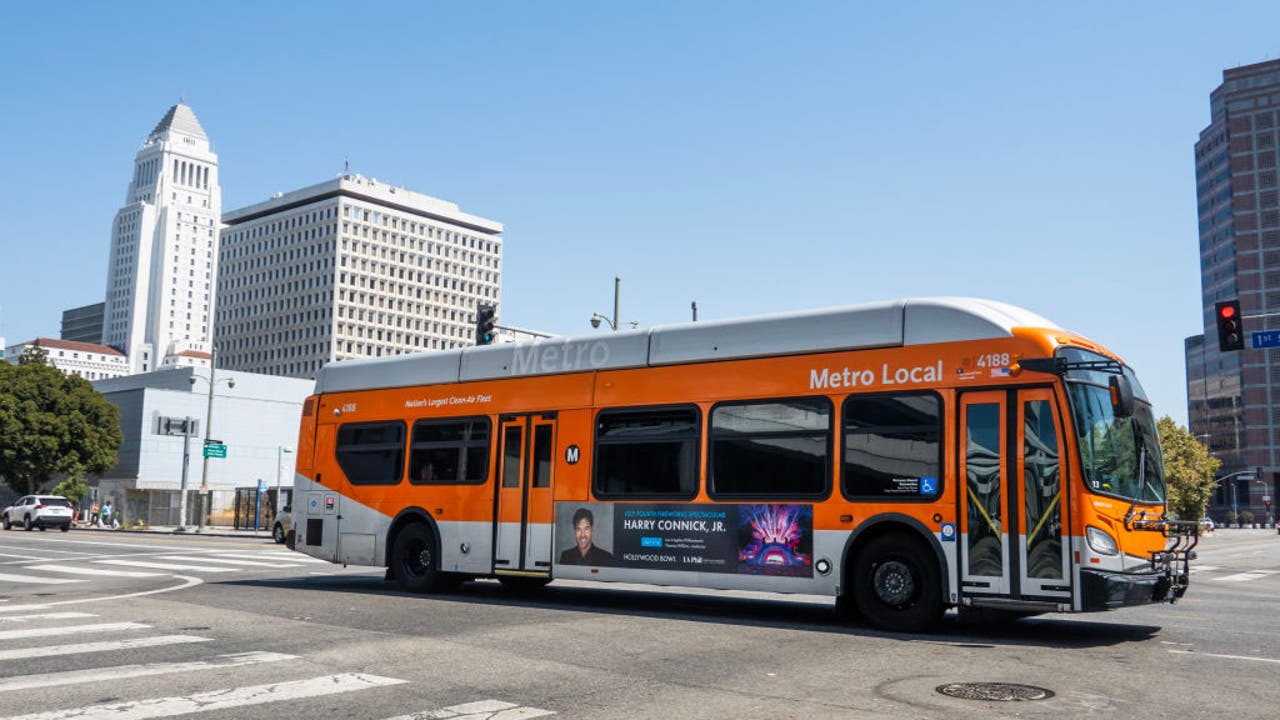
[105, 646]
[135, 545]
[219, 559]
[268, 555]
[219, 699]
[41, 548]
[44, 616]
[70, 630]
[1244, 576]
[165, 566]
[120, 672]
[1226, 657]
[35, 579]
[479, 710]
[76, 570]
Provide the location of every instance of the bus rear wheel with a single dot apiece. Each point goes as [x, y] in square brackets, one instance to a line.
[415, 561]
[896, 584]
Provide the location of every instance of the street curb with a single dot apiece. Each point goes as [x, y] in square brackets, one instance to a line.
[261, 535]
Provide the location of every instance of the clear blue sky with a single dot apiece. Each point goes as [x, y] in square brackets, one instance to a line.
[754, 157]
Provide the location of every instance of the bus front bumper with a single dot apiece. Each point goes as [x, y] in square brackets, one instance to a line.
[1102, 590]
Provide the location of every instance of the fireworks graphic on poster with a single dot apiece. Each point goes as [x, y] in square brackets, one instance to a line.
[775, 539]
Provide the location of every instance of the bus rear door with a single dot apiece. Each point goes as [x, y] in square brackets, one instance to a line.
[1014, 544]
[525, 513]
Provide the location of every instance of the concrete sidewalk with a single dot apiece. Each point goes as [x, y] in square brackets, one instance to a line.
[206, 531]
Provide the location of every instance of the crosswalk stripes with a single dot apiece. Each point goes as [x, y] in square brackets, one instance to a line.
[226, 561]
[220, 699]
[120, 672]
[480, 710]
[200, 702]
[70, 630]
[105, 646]
[44, 616]
[35, 579]
[166, 565]
[100, 572]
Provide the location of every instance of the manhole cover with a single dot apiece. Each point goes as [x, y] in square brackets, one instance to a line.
[994, 691]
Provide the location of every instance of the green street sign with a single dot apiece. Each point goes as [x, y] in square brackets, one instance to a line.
[215, 451]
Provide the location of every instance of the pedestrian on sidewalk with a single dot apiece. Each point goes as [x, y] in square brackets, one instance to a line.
[105, 520]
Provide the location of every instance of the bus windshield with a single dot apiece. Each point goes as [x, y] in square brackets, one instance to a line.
[1118, 456]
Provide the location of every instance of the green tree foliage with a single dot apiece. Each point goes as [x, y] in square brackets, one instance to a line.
[74, 488]
[52, 424]
[1189, 469]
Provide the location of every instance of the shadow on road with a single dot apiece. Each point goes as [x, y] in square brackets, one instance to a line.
[1050, 631]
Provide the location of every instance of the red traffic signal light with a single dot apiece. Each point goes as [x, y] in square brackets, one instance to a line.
[1230, 331]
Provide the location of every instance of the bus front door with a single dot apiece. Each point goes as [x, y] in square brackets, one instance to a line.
[525, 513]
[1013, 542]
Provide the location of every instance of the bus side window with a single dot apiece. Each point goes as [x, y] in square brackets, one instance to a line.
[892, 446]
[450, 452]
[371, 453]
[777, 448]
[647, 453]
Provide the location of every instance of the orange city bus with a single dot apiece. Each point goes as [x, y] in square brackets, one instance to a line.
[903, 457]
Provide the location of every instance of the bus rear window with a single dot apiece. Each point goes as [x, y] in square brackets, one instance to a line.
[647, 453]
[450, 452]
[892, 446]
[371, 453]
[778, 449]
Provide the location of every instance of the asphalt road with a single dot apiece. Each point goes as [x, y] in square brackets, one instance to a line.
[237, 628]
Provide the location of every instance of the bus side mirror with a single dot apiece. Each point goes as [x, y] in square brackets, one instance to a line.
[1121, 396]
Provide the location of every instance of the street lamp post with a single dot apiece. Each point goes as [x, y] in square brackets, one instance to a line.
[597, 317]
[208, 435]
[1245, 475]
[281, 451]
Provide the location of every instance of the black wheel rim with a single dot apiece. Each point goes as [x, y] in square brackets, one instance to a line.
[895, 583]
[417, 558]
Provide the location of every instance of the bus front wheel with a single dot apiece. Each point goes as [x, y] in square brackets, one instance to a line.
[897, 585]
[415, 561]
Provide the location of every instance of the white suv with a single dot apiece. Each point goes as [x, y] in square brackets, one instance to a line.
[42, 511]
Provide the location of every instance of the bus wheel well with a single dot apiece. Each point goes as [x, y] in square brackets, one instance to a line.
[909, 529]
[893, 578]
[407, 517]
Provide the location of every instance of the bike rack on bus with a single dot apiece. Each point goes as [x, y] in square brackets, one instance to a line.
[1174, 562]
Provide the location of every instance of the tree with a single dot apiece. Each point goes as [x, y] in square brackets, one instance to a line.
[52, 424]
[1189, 470]
[74, 488]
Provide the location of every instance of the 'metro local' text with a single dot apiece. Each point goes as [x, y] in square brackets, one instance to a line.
[846, 377]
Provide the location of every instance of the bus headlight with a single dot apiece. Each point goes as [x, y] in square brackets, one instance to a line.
[1101, 542]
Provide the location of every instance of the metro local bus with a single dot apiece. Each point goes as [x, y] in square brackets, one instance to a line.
[903, 457]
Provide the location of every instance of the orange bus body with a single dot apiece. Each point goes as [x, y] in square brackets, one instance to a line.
[901, 557]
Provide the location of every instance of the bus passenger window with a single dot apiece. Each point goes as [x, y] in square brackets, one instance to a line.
[647, 453]
[371, 453]
[450, 452]
[892, 446]
[777, 449]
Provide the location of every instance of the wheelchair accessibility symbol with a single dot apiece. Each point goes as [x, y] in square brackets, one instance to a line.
[928, 485]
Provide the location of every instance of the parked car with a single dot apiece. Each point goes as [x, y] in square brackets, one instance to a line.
[283, 527]
[39, 511]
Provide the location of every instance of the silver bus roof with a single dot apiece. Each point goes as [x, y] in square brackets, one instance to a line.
[897, 323]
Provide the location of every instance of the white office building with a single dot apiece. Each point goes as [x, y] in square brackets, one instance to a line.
[87, 360]
[350, 268]
[163, 263]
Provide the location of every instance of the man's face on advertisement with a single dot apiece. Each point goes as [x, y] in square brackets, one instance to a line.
[582, 533]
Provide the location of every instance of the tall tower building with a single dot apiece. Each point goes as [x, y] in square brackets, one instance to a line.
[350, 268]
[1234, 397]
[164, 247]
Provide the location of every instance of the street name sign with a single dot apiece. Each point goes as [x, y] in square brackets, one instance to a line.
[215, 451]
[1266, 339]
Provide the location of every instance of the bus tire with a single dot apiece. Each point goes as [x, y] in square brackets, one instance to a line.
[415, 561]
[897, 585]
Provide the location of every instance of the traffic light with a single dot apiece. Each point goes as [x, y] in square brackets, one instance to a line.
[484, 324]
[1230, 330]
